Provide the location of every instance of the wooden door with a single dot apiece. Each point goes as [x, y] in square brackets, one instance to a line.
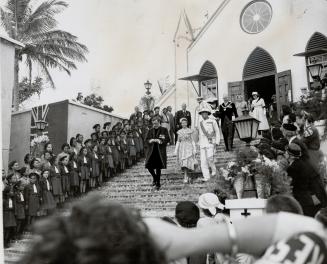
[284, 94]
[235, 90]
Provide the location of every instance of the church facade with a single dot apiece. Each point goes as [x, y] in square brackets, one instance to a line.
[247, 46]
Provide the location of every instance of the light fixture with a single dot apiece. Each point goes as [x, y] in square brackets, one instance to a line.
[315, 71]
[247, 127]
[40, 124]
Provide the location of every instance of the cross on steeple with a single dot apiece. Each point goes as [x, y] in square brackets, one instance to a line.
[245, 213]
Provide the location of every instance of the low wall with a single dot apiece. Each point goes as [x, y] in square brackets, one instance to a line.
[65, 119]
[82, 118]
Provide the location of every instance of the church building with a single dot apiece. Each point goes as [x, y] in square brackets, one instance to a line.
[246, 46]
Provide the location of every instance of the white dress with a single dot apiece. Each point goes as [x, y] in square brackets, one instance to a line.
[259, 112]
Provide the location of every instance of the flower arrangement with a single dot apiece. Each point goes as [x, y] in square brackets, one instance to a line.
[39, 140]
[268, 176]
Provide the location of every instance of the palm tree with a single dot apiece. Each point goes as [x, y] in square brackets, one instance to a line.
[45, 45]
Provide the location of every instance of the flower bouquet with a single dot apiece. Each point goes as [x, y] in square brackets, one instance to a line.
[37, 145]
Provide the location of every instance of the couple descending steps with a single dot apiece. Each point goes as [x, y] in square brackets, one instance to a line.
[158, 138]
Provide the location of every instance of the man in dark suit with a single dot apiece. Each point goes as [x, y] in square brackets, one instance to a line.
[226, 112]
[156, 157]
[307, 186]
[178, 116]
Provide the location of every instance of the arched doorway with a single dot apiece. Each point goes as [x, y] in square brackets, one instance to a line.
[259, 74]
[316, 50]
[209, 86]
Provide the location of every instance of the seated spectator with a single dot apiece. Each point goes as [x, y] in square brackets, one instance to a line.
[283, 203]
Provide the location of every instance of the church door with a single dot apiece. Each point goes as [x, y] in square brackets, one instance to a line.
[284, 89]
[235, 91]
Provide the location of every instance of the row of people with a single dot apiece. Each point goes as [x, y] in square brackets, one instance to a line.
[46, 182]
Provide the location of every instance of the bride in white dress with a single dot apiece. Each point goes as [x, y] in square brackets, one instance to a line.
[258, 111]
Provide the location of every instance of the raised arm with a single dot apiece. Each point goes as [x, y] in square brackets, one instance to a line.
[253, 235]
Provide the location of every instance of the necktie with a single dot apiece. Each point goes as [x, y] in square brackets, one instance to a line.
[48, 185]
[66, 170]
[95, 155]
[75, 167]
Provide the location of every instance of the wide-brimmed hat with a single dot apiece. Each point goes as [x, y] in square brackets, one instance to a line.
[211, 100]
[294, 150]
[210, 202]
[205, 108]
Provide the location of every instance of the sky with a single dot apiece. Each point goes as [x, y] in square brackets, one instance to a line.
[130, 41]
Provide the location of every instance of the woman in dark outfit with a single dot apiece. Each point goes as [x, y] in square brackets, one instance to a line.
[156, 158]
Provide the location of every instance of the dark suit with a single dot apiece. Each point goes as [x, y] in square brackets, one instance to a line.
[226, 112]
[306, 182]
[156, 156]
[178, 116]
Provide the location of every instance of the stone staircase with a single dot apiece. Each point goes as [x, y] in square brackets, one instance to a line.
[133, 188]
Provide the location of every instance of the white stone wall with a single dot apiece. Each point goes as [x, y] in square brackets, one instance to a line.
[227, 46]
[7, 56]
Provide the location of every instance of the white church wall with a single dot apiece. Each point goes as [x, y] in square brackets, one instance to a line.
[227, 46]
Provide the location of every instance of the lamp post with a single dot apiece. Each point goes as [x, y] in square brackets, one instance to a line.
[247, 127]
[40, 125]
[315, 71]
[147, 86]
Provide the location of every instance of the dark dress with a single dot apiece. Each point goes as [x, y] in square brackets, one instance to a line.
[74, 178]
[65, 181]
[84, 167]
[9, 219]
[19, 205]
[48, 202]
[115, 152]
[95, 165]
[131, 147]
[306, 182]
[33, 199]
[156, 157]
[55, 178]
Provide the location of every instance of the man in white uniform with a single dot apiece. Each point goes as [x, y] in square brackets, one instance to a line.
[209, 137]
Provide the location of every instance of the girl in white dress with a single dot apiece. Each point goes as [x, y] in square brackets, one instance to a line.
[258, 111]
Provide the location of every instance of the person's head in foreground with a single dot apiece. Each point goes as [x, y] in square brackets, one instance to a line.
[187, 214]
[97, 231]
[210, 204]
[283, 203]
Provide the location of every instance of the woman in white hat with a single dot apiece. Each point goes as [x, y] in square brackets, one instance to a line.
[213, 209]
[258, 111]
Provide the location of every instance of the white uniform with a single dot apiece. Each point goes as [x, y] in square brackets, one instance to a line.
[258, 112]
[207, 146]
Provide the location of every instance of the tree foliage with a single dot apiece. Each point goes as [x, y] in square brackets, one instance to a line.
[94, 100]
[45, 45]
[27, 88]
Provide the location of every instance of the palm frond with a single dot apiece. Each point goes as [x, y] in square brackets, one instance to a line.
[46, 73]
[7, 21]
[43, 18]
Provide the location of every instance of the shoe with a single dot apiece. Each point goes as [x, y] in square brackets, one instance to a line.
[158, 187]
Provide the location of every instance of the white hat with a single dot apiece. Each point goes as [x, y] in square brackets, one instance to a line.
[254, 93]
[205, 108]
[210, 202]
[211, 100]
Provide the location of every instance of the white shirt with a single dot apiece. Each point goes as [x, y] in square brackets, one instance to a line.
[211, 127]
[34, 188]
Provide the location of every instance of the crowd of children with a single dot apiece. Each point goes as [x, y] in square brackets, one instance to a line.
[44, 183]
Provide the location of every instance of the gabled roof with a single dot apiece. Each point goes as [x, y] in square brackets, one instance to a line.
[209, 22]
[183, 18]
